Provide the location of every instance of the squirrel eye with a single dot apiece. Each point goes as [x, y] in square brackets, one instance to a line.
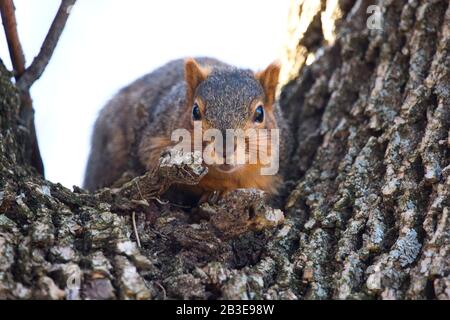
[259, 114]
[196, 115]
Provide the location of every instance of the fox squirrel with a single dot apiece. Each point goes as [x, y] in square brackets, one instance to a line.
[135, 127]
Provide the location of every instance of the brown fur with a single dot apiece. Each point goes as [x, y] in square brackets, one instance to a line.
[135, 127]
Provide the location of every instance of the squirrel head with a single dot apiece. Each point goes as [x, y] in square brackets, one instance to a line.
[226, 97]
[231, 98]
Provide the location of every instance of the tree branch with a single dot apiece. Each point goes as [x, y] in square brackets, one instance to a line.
[39, 64]
[26, 77]
[7, 11]
[174, 168]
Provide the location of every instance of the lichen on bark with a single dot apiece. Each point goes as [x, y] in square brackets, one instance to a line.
[366, 202]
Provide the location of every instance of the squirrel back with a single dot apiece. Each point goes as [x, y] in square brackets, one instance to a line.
[135, 127]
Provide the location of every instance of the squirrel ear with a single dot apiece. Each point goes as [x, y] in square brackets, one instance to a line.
[194, 75]
[269, 81]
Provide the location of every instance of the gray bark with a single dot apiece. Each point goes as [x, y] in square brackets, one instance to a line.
[366, 205]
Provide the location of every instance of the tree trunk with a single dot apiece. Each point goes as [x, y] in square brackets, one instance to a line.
[367, 202]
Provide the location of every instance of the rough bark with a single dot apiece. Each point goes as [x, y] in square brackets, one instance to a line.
[366, 205]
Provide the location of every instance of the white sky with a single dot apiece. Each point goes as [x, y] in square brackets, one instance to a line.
[109, 43]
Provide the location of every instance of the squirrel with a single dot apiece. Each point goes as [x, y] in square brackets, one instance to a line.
[135, 126]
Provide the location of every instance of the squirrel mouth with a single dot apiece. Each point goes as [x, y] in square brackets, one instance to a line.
[227, 168]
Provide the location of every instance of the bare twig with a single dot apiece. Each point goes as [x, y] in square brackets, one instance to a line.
[39, 64]
[26, 77]
[7, 10]
[136, 233]
[174, 168]
[162, 289]
[30, 144]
